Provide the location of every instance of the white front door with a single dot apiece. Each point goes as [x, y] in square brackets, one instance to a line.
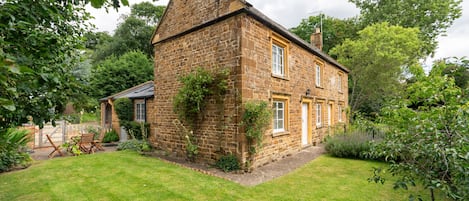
[304, 124]
[329, 115]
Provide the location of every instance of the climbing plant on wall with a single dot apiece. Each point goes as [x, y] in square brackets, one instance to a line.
[190, 101]
[255, 120]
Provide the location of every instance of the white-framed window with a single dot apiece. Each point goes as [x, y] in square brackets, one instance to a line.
[279, 116]
[339, 113]
[339, 82]
[318, 115]
[278, 60]
[318, 74]
[140, 111]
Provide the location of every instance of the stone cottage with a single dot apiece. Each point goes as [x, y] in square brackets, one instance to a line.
[306, 88]
[142, 99]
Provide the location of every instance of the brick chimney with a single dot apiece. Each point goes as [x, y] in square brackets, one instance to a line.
[316, 39]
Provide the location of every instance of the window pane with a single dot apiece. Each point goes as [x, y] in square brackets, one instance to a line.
[280, 124]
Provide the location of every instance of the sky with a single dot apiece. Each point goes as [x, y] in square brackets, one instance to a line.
[289, 14]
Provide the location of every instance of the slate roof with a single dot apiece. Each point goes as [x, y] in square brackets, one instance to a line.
[256, 14]
[145, 90]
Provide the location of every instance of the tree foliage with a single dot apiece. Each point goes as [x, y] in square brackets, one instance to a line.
[133, 33]
[116, 74]
[458, 69]
[376, 60]
[38, 49]
[335, 30]
[431, 17]
[428, 141]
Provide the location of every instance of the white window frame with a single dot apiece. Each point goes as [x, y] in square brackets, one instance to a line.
[318, 74]
[339, 110]
[278, 128]
[278, 60]
[339, 82]
[318, 115]
[140, 111]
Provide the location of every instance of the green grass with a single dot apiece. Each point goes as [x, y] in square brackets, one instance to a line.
[129, 176]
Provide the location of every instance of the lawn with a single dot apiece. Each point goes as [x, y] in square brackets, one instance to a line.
[129, 176]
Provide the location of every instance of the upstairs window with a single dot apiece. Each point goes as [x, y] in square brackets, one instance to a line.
[339, 82]
[279, 56]
[319, 68]
[278, 61]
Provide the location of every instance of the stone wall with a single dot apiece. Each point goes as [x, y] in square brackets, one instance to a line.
[213, 48]
[243, 45]
[182, 15]
[260, 84]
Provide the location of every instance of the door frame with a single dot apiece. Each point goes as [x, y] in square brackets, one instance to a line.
[310, 123]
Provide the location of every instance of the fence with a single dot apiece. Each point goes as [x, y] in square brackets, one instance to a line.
[59, 134]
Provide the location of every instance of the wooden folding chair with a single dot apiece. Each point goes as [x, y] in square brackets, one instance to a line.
[86, 143]
[98, 143]
[56, 148]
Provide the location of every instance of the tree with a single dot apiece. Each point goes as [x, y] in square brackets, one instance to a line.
[116, 74]
[133, 33]
[431, 17]
[38, 48]
[335, 30]
[458, 69]
[376, 60]
[428, 142]
[148, 12]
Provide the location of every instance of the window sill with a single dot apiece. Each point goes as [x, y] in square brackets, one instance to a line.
[320, 87]
[280, 133]
[319, 127]
[341, 92]
[280, 77]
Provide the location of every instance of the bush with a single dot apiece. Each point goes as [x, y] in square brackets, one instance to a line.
[72, 118]
[355, 145]
[135, 145]
[228, 163]
[124, 109]
[13, 149]
[110, 136]
[135, 129]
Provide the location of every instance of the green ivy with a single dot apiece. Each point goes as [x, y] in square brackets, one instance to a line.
[191, 99]
[255, 120]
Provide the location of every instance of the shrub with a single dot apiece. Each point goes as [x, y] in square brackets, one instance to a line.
[135, 129]
[13, 149]
[124, 109]
[72, 118]
[350, 145]
[110, 136]
[134, 145]
[228, 163]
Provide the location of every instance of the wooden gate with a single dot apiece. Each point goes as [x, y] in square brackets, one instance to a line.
[59, 134]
